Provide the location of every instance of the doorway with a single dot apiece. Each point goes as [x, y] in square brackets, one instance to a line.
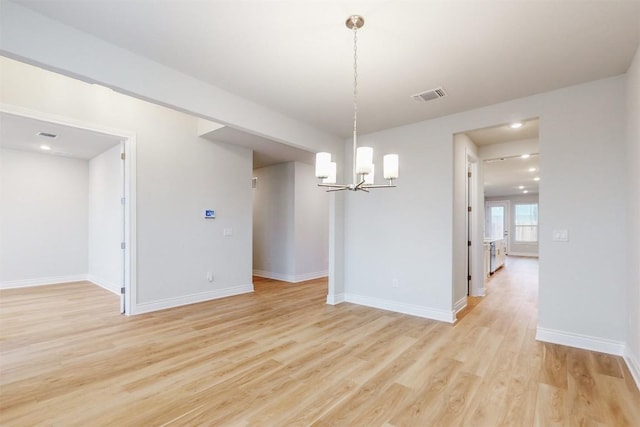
[81, 176]
[508, 174]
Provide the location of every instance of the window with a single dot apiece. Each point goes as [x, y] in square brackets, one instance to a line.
[526, 222]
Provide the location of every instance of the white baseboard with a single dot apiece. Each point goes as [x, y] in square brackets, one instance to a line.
[399, 307]
[335, 299]
[42, 281]
[190, 299]
[105, 284]
[633, 362]
[478, 292]
[311, 276]
[525, 254]
[585, 342]
[291, 278]
[459, 305]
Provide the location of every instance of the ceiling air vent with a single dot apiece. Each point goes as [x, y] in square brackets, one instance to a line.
[47, 135]
[429, 95]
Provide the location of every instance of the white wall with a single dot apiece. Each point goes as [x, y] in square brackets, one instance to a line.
[407, 232]
[311, 224]
[581, 190]
[404, 233]
[178, 176]
[105, 220]
[633, 217]
[274, 222]
[518, 248]
[43, 218]
[291, 221]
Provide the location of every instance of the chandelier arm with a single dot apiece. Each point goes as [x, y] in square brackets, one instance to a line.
[380, 186]
[360, 185]
[333, 185]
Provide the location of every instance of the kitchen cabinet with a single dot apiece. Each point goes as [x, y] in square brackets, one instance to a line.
[497, 254]
[501, 248]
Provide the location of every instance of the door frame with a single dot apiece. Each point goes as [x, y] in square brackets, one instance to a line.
[474, 222]
[128, 144]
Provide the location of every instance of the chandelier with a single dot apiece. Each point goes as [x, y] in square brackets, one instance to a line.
[363, 167]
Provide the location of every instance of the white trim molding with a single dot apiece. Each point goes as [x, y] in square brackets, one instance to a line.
[399, 307]
[634, 365]
[524, 254]
[585, 342]
[291, 278]
[461, 304]
[148, 307]
[335, 299]
[43, 281]
[105, 284]
[478, 292]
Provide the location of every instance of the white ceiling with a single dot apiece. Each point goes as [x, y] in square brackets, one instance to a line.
[265, 151]
[505, 175]
[20, 133]
[295, 57]
[503, 133]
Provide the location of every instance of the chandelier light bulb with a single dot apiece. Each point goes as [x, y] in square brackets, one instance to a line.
[322, 165]
[364, 160]
[332, 178]
[370, 177]
[390, 166]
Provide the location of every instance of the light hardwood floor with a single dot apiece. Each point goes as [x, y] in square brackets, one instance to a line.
[281, 357]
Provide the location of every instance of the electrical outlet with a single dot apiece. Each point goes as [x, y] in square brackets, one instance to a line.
[394, 283]
[561, 235]
[210, 276]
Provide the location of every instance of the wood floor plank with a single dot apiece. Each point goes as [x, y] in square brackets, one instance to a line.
[551, 406]
[281, 356]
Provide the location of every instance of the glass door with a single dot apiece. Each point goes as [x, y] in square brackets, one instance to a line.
[497, 221]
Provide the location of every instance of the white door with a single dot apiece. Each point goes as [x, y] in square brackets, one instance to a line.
[497, 221]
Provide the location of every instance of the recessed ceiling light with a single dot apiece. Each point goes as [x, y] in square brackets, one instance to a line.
[45, 147]
[526, 156]
[521, 187]
[525, 191]
[515, 125]
[532, 169]
[537, 178]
